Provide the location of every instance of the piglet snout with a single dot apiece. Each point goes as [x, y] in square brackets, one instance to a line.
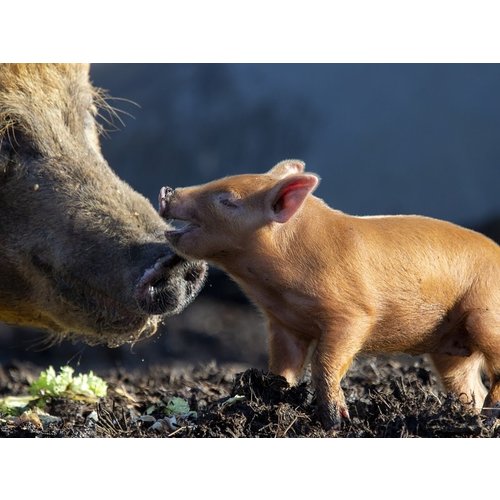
[166, 193]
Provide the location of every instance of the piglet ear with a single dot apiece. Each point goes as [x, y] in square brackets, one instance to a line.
[287, 167]
[288, 195]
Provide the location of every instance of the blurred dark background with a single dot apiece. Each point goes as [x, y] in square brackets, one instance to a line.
[385, 138]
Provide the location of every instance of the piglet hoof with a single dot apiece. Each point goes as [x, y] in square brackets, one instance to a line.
[332, 415]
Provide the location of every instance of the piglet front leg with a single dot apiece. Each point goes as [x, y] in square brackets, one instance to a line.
[332, 358]
[331, 405]
[287, 352]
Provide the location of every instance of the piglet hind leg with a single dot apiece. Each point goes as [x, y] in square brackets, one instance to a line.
[492, 403]
[484, 328]
[461, 376]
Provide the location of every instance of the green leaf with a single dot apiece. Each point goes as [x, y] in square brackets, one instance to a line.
[88, 385]
[49, 384]
[178, 407]
[14, 405]
[232, 401]
[63, 384]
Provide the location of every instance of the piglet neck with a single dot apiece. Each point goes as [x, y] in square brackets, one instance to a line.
[264, 261]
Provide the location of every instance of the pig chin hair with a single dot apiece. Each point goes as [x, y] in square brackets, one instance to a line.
[108, 338]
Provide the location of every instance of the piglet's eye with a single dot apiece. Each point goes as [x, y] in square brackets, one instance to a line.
[227, 202]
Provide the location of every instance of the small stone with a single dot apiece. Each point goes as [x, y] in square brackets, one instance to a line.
[147, 419]
[165, 424]
[92, 417]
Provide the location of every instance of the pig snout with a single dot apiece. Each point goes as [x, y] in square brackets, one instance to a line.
[169, 283]
[164, 198]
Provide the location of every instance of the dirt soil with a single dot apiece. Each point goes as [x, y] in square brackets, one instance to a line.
[387, 398]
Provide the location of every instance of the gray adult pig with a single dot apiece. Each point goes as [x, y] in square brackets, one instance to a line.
[81, 253]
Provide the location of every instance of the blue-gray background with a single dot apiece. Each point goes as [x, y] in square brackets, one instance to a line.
[385, 138]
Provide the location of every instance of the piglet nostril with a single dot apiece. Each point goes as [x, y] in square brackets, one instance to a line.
[164, 199]
[166, 191]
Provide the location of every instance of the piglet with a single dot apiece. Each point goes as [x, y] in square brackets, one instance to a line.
[332, 285]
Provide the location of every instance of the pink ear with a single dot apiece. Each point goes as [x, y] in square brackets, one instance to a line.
[289, 194]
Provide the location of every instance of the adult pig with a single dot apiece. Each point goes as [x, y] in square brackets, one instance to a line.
[81, 253]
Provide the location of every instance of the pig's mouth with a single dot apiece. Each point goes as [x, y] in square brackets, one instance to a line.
[92, 314]
[99, 317]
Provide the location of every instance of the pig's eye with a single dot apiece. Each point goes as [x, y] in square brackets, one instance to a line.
[7, 159]
[6, 148]
[14, 142]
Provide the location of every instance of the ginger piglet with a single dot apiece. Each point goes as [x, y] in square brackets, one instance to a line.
[332, 285]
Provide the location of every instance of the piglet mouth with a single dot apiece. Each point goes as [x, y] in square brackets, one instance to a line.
[166, 209]
[179, 227]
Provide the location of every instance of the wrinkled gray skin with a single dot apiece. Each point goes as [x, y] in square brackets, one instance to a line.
[81, 253]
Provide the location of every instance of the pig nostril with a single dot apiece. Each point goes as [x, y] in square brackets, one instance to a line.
[162, 282]
[192, 275]
[169, 284]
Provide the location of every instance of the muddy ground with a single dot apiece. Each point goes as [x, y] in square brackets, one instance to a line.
[387, 398]
[213, 356]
